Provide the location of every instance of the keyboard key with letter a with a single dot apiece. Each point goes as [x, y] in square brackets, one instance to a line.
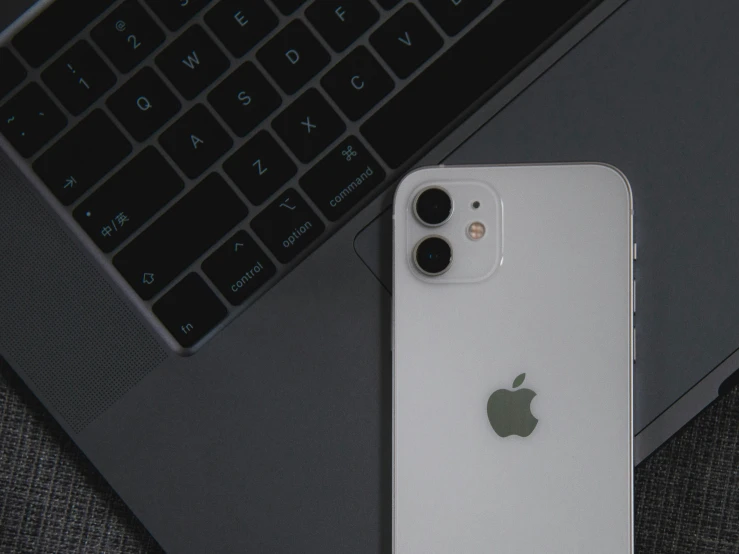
[192, 62]
[181, 235]
[82, 157]
[309, 125]
[406, 40]
[196, 141]
[293, 56]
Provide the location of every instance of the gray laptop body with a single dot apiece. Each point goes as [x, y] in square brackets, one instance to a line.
[274, 436]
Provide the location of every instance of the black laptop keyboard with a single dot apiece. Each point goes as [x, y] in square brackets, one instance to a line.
[206, 146]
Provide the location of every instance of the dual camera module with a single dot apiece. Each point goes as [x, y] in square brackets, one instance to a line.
[433, 254]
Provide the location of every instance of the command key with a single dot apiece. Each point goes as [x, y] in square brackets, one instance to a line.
[340, 180]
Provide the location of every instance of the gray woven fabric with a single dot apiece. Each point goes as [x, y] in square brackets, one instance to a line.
[53, 500]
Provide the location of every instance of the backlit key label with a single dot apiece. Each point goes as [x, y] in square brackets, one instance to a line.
[287, 226]
[341, 179]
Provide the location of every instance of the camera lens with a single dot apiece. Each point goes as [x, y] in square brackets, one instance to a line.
[433, 206]
[433, 255]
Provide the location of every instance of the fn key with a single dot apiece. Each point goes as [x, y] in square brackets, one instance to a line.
[190, 310]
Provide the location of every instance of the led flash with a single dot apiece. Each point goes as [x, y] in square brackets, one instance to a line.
[476, 230]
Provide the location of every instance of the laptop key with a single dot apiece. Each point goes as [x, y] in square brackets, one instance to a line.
[293, 56]
[196, 141]
[341, 23]
[340, 180]
[240, 25]
[357, 83]
[288, 6]
[406, 41]
[190, 310]
[128, 35]
[455, 15]
[287, 226]
[192, 62]
[245, 99]
[239, 268]
[12, 71]
[388, 4]
[82, 157]
[180, 236]
[175, 13]
[54, 27]
[144, 104]
[30, 119]
[79, 77]
[260, 168]
[309, 125]
[499, 43]
[128, 199]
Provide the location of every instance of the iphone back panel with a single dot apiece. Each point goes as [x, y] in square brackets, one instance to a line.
[512, 369]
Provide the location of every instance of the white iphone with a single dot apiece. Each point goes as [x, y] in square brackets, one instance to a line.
[513, 355]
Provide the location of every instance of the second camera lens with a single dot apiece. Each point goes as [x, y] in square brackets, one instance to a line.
[433, 206]
[433, 255]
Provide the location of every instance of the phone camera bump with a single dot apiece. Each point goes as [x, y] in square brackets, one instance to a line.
[433, 256]
[433, 206]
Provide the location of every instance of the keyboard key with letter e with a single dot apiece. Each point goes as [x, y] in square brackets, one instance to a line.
[287, 226]
[239, 268]
[82, 157]
[190, 310]
[241, 25]
[196, 141]
[309, 125]
[128, 199]
[341, 179]
[499, 43]
[180, 236]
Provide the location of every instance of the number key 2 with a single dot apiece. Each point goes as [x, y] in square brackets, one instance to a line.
[128, 35]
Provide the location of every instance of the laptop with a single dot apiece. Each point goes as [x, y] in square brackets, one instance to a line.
[194, 226]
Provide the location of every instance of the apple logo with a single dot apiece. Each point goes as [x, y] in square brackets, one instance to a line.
[509, 411]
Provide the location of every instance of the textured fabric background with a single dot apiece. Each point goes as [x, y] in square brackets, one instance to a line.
[53, 500]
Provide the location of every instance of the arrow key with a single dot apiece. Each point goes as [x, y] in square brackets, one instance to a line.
[239, 268]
